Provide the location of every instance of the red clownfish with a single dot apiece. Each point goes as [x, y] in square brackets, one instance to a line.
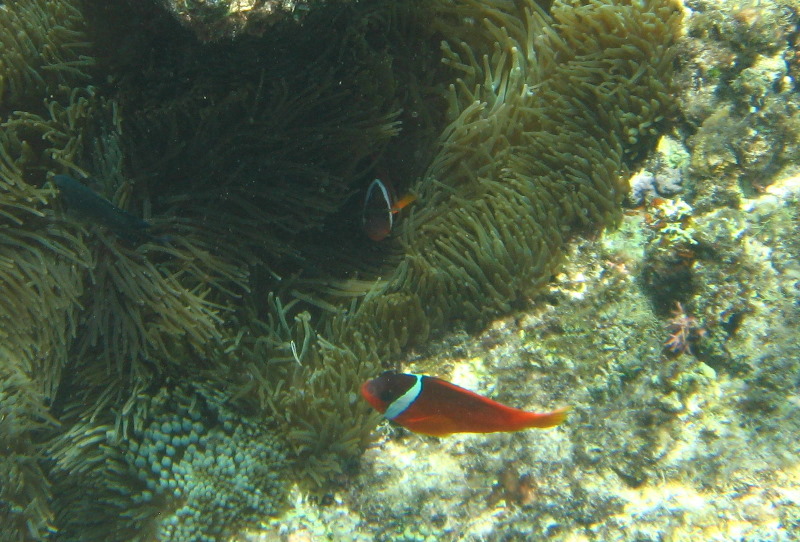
[380, 206]
[431, 406]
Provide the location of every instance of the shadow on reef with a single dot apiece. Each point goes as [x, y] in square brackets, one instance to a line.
[128, 366]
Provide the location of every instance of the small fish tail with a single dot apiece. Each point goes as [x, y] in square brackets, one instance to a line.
[402, 202]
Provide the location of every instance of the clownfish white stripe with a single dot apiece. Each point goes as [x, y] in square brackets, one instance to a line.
[386, 198]
[400, 404]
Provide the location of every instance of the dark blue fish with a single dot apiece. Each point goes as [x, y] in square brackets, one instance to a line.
[93, 207]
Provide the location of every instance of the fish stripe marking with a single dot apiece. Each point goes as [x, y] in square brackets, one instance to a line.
[387, 198]
[400, 404]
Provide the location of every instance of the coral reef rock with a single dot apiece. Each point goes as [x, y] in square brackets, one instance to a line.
[213, 20]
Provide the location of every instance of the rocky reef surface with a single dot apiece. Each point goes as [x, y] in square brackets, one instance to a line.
[213, 20]
[693, 444]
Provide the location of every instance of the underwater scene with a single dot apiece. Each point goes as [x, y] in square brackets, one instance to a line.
[399, 270]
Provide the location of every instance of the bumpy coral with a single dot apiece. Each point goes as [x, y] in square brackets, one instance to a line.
[741, 99]
[224, 19]
[191, 469]
[219, 474]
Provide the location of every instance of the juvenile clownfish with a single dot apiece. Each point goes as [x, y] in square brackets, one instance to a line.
[380, 206]
[431, 406]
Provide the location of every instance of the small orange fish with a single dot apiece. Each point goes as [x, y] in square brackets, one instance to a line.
[431, 406]
[380, 206]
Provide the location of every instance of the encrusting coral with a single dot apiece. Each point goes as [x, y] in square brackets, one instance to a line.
[512, 122]
[199, 468]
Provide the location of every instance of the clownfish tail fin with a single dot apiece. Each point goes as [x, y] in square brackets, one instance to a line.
[403, 202]
[549, 419]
